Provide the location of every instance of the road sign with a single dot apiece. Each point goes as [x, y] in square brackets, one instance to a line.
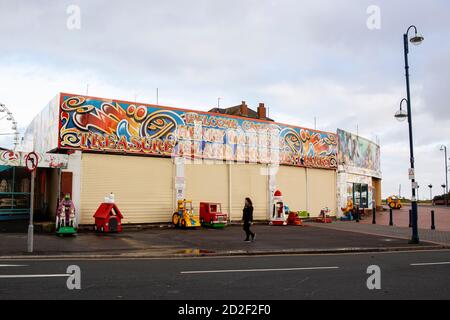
[32, 161]
[412, 174]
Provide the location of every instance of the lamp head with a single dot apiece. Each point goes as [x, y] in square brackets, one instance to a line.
[401, 115]
[417, 39]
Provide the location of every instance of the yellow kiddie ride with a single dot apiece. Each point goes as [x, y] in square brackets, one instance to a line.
[185, 217]
[394, 202]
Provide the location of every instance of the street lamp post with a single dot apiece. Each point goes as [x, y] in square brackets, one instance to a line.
[431, 192]
[444, 148]
[416, 40]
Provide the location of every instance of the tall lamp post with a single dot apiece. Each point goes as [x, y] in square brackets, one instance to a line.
[443, 188]
[402, 115]
[431, 192]
[444, 148]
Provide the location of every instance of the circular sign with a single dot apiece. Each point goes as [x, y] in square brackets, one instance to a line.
[31, 161]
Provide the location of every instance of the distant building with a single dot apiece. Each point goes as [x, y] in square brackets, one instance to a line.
[243, 110]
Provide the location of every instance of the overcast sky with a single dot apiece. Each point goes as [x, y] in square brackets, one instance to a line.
[303, 59]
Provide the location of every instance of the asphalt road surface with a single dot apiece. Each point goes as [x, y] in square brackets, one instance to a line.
[404, 275]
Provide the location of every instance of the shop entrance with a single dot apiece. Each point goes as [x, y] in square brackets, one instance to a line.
[14, 193]
[361, 195]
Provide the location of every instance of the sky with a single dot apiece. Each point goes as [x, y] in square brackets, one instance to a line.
[305, 60]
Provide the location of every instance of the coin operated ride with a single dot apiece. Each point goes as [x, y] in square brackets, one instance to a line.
[324, 216]
[278, 217]
[281, 215]
[108, 218]
[394, 203]
[211, 215]
[65, 217]
[347, 211]
[185, 217]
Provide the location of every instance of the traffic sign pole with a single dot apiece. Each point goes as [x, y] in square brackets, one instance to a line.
[30, 226]
[31, 163]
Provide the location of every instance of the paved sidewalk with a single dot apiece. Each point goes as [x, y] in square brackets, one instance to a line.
[401, 217]
[229, 241]
[438, 237]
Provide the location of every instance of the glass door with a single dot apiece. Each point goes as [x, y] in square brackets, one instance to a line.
[360, 195]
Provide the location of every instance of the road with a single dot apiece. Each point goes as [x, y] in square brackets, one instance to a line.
[404, 275]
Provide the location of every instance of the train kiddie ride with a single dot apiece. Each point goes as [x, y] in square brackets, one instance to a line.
[281, 215]
[185, 217]
[211, 215]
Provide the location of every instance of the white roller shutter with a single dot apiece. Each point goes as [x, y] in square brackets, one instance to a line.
[143, 186]
[291, 181]
[321, 185]
[249, 180]
[206, 182]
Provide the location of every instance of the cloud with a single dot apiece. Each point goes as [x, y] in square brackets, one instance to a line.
[304, 59]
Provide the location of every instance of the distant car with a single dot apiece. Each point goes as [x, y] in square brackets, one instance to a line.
[211, 215]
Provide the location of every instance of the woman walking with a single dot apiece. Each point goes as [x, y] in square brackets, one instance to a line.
[247, 217]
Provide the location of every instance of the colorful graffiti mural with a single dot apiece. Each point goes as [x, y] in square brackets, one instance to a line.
[115, 126]
[355, 151]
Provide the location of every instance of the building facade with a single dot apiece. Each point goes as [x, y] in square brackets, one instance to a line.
[359, 172]
[149, 156]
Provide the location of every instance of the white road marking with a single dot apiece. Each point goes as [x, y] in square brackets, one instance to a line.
[12, 265]
[258, 270]
[21, 276]
[430, 264]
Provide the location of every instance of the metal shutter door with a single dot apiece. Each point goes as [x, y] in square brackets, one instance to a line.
[249, 180]
[143, 186]
[206, 182]
[291, 181]
[321, 191]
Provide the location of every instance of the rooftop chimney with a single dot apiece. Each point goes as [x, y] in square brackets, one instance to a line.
[243, 109]
[262, 111]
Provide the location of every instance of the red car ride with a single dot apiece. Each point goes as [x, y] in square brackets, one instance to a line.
[211, 215]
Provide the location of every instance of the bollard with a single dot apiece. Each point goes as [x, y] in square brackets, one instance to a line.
[433, 225]
[357, 214]
[410, 216]
[391, 217]
[374, 214]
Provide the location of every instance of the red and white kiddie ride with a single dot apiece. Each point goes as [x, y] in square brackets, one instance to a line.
[279, 217]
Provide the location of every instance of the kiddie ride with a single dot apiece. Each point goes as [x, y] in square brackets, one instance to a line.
[324, 216]
[281, 215]
[394, 203]
[211, 215]
[185, 217]
[347, 211]
[108, 218]
[65, 217]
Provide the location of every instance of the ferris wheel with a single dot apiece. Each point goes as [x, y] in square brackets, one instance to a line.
[8, 125]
